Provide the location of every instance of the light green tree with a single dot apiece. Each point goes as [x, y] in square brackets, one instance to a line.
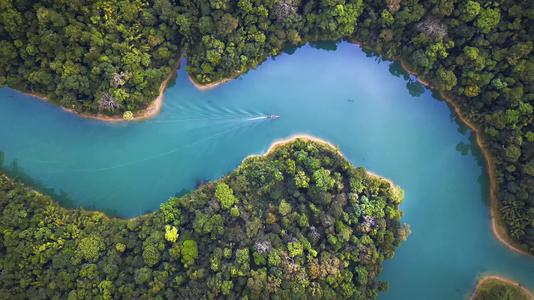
[488, 19]
[189, 252]
[171, 233]
[225, 195]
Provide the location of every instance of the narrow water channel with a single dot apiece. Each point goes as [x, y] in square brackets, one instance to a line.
[380, 118]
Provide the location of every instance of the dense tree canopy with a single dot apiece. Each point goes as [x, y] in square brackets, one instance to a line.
[325, 240]
[497, 289]
[92, 56]
[479, 53]
[110, 57]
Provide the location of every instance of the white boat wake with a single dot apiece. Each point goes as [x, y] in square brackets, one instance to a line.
[258, 118]
[266, 117]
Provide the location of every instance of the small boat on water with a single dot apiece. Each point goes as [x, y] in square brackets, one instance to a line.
[273, 117]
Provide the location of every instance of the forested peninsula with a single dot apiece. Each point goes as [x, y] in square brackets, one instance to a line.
[108, 57]
[499, 288]
[298, 222]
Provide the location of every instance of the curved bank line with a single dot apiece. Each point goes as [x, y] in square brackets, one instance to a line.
[498, 230]
[151, 111]
[306, 137]
[483, 279]
[211, 85]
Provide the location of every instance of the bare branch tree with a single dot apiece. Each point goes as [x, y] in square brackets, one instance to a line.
[314, 233]
[107, 102]
[368, 223]
[393, 5]
[283, 9]
[119, 79]
[263, 247]
[432, 27]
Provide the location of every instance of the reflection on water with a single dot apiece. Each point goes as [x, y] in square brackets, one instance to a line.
[16, 172]
[415, 88]
[462, 148]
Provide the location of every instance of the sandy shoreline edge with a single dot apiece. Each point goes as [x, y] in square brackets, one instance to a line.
[498, 230]
[310, 138]
[212, 85]
[483, 279]
[155, 106]
[152, 109]
[273, 147]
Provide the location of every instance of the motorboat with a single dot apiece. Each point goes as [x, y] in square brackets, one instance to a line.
[273, 117]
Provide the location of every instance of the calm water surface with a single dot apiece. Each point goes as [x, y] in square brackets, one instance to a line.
[380, 118]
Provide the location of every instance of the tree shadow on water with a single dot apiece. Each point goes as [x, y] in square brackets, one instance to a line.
[320, 45]
[325, 45]
[463, 148]
[415, 88]
[396, 70]
[14, 171]
[462, 127]
[483, 179]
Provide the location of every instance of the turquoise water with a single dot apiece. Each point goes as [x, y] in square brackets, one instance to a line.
[381, 119]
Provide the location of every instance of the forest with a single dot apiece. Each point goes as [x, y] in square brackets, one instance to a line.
[478, 54]
[497, 289]
[111, 56]
[300, 222]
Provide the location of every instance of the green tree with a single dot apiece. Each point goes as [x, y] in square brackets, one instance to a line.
[227, 24]
[189, 252]
[295, 248]
[446, 79]
[225, 195]
[284, 208]
[488, 19]
[143, 275]
[387, 18]
[171, 233]
[91, 247]
[151, 255]
[323, 180]
[470, 10]
[301, 180]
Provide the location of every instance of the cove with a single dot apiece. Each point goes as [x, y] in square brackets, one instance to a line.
[380, 118]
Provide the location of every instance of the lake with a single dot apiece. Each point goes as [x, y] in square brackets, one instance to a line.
[381, 119]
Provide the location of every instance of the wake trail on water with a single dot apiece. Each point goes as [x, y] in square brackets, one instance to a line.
[206, 112]
[198, 118]
[245, 117]
[257, 118]
[152, 157]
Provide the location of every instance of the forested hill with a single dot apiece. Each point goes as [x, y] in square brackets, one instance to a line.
[110, 57]
[498, 288]
[298, 223]
[90, 56]
[480, 55]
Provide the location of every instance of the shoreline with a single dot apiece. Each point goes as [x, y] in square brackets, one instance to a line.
[307, 137]
[155, 106]
[281, 142]
[149, 112]
[208, 86]
[483, 279]
[299, 136]
[498, 230]
[272, 147]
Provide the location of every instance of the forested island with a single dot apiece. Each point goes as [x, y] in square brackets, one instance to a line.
[110, 58]
[299, 222]
[498, 288]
